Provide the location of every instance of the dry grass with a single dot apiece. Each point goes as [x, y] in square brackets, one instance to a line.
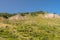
[31, 28]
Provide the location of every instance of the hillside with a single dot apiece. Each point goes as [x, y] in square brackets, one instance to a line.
[31, 27]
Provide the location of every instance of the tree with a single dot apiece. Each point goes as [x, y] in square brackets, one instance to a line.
[5, 16]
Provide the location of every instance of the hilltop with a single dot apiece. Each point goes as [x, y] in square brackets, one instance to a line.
[30, 26]
[40, 15]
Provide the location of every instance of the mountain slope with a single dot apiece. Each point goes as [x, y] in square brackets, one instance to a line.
[30, 28]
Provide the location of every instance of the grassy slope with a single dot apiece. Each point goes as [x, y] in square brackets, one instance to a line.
[31, 28]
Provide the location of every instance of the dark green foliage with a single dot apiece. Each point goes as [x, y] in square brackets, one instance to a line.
[33, 14]
[40, 12]
[6, 15]
[22, 14]
[37, 13]
[26, 13]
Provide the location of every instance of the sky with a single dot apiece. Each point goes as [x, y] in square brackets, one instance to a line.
[14, 6]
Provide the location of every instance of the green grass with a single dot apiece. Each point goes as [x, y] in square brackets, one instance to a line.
[33, 28]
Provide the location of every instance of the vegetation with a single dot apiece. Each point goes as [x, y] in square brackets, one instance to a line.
[31, 28]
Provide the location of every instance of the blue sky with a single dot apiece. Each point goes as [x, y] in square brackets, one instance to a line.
[13, 6]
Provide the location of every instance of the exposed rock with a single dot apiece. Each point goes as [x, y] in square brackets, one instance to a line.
[18, 17]
[51, 16]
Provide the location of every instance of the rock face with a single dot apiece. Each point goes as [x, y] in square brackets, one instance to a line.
[18, 17]
[52, 16]
[14, 17]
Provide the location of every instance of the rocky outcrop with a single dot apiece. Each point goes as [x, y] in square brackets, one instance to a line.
[51, 16]
[18, 17]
